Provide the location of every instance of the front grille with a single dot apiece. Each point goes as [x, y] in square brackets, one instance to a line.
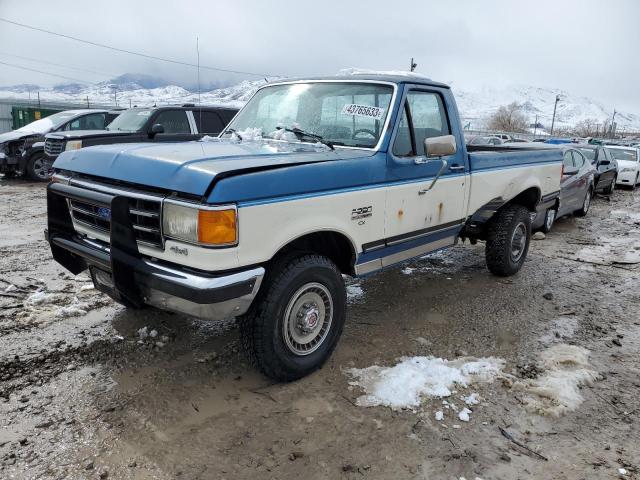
[145, 218]
[53, 146]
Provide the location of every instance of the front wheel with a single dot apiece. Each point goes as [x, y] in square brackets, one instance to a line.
[39, 167]
[297, 318]
[586, 203]
[508, 237]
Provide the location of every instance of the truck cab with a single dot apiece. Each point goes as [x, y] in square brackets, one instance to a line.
[313, 179]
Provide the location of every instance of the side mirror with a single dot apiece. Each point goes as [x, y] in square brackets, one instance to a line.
[156, 129]
[604, 162]
[570, 171]
[440, 146]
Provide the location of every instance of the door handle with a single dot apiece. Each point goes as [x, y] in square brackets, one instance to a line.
[440, 172]
[456, 168]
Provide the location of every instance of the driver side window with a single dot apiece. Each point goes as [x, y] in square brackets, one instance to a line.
[173, 121]
[423, 116]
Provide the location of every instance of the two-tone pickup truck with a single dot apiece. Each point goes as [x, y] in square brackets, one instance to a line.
[312, 179]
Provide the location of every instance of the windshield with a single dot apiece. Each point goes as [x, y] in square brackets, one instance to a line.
[349, 114]
[590, 153]
[130, 120]
[630, 155]
[49, 123]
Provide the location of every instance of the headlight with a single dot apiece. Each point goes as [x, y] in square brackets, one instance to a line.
[216, 226]
[73, 145]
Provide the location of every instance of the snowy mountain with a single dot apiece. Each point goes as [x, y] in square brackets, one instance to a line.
[475, 105]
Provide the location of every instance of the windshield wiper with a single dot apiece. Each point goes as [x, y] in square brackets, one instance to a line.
[300, 134]
[233, 130]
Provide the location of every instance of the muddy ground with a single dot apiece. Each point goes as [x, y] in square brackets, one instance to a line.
[84, 395]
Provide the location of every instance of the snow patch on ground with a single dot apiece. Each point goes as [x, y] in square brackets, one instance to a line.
[560, 329]
[404, 385]
[41, 297]
[558, 390]
[354, 292]
[75, 309]
[463, 415]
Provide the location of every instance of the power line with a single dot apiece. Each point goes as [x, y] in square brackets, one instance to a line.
[45, 73]
[122, 50]
[31, 59]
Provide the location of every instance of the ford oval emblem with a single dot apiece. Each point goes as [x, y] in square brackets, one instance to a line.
[104, 213]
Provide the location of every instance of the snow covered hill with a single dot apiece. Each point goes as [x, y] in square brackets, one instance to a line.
[475, 105]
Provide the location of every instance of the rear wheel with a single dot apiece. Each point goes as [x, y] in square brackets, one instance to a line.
[610, 188]
[508, 237]
[39, 167]
[549, 220]
[586, 203]
[296, 321]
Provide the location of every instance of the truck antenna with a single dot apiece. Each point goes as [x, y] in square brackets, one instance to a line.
[199, 104]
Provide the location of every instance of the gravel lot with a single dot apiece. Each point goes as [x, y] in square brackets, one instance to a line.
[84, 394]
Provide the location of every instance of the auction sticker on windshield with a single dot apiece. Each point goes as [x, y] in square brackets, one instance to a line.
[363, 111]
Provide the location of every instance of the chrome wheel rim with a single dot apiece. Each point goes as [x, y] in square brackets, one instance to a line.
[518, 242]
[551, 217]
[42, 168]
[587, 202]
[307, 319]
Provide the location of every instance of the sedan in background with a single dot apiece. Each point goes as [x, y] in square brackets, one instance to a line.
[628, 159]
[606, 167]
[576, 190]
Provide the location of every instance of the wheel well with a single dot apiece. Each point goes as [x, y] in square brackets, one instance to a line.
[529, 199]
[333, 245]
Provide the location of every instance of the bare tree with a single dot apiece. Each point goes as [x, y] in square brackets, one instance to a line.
[509, 118]
[586, 128]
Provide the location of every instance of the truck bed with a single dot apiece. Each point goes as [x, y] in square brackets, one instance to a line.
[485, 157]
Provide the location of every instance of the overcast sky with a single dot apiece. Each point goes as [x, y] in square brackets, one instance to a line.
[586, 47]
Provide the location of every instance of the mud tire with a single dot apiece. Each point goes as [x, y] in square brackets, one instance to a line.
[262, 327]
[500, 234]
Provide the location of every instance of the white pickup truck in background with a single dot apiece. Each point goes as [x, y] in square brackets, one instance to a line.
[312, 179]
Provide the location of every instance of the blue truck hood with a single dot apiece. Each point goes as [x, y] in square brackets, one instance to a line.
[190, 167]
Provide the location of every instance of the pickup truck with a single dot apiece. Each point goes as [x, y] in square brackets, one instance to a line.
[312, 180]
[152, 124]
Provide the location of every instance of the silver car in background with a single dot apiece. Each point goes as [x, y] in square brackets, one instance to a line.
[576, 190]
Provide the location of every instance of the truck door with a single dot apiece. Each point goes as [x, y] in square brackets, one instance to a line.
[421, 214]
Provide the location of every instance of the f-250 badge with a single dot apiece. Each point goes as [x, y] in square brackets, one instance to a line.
[362, 212]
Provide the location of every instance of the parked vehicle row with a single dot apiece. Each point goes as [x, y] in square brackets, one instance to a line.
[32, 149]
[22, 150]
[311, 180]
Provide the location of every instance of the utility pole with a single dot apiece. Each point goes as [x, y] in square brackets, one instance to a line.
[413, 65]
[88, 106]
[115, 94]
[535, 127]
[129, 103]
[613, 123]
[39, 100]
[553, 121]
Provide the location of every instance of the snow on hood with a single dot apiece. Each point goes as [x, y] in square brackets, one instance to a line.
[42, 126]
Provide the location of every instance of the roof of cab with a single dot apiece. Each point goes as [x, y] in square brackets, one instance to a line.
[392, 77]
